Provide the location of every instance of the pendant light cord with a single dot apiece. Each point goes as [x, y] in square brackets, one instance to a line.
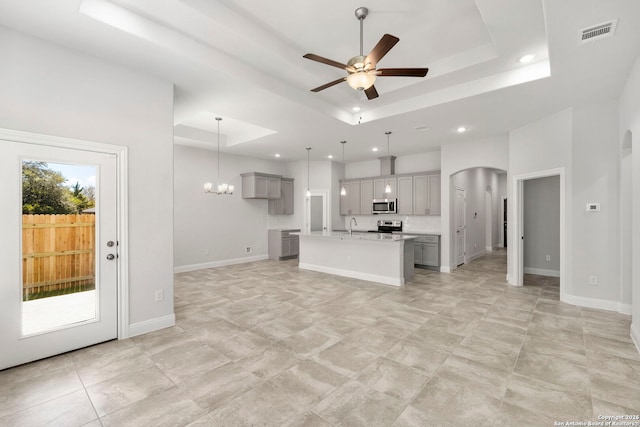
[218, 119]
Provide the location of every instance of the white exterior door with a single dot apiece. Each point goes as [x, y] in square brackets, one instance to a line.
[56, 296]
[461, 225]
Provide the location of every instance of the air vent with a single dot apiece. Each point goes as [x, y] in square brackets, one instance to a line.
[423, 128]
[597, 32]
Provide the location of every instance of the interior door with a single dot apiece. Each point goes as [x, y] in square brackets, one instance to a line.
[58, 287]
[461, 222]
[316, 212]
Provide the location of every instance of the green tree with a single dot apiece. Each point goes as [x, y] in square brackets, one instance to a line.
[78, 198]
[43, 190]
[82, 198]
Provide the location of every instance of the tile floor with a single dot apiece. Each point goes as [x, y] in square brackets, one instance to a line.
[266, 344]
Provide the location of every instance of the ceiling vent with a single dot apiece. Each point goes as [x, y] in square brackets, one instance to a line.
[597, 32]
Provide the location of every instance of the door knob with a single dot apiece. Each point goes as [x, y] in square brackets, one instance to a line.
[110, 243]
[111, 257]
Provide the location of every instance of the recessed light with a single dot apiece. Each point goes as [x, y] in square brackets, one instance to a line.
[461, 129]
[374, 149]
[356, 109]
[277, 155]
[330, 156]
[527, 58]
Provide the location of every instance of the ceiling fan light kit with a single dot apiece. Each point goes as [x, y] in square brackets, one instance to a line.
[362, 69]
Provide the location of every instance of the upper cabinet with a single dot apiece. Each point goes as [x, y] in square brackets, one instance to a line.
[405, 195]
[426, 194]
[350, 202]
[284, 204]
[379, 185]
[366, 196]
[416, 194]
[257, 185]
[434, 195]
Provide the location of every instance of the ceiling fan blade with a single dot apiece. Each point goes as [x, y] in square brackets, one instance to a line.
[384, 45]
[333, 83]
[331, 62]
[402, 72]
[371, 93]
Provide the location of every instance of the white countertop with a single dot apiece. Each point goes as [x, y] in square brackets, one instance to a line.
[423, 232]
[374, 237]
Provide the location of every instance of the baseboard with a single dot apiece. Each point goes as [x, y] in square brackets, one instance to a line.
[353, 274]
[474, 256]
[489, 249]
[445, 269]
[214, 264]
[635, 335]
[597, 303]
[151, 325]
[542, 272]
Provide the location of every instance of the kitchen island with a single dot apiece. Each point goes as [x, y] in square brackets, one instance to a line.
[381, 258]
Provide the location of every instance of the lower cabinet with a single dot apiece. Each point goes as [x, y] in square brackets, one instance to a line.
[427, 252]
[283, 245]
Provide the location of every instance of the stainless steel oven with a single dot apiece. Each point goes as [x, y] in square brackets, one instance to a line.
[384, 206]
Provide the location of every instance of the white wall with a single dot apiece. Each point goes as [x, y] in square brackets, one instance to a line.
[629, 129]
[583, 141]
[491, 153]
[596, 172]
[540, 146]
[211, 229]
[56, 91]
[542, 226]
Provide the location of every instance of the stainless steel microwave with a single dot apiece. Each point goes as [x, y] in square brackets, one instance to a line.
[384, 206]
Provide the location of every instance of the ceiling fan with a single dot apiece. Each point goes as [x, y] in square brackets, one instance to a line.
[362, 69]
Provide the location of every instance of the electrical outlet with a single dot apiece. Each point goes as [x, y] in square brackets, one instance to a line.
[247, 249]
[548, 257]
[593, 280]
[159, 295]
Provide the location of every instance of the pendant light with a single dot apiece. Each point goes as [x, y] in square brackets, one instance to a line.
[308, 192]
[343, 190]
[220, 188]
[387, 188]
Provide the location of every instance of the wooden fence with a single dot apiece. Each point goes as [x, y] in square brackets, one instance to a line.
[58, 254]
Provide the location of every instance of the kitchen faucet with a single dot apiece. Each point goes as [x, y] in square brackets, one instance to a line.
[352, 221]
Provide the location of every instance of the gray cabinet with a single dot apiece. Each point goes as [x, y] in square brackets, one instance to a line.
[416, 194]
[405, 195]
[257, 185]
[434, 195]
[427, 252]
[283, 245]
[379, 185]
[426, 194]
[366, 196]
[350, 202]
[284, 204]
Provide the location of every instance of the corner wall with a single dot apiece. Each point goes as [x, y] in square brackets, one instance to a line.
[210, 229]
